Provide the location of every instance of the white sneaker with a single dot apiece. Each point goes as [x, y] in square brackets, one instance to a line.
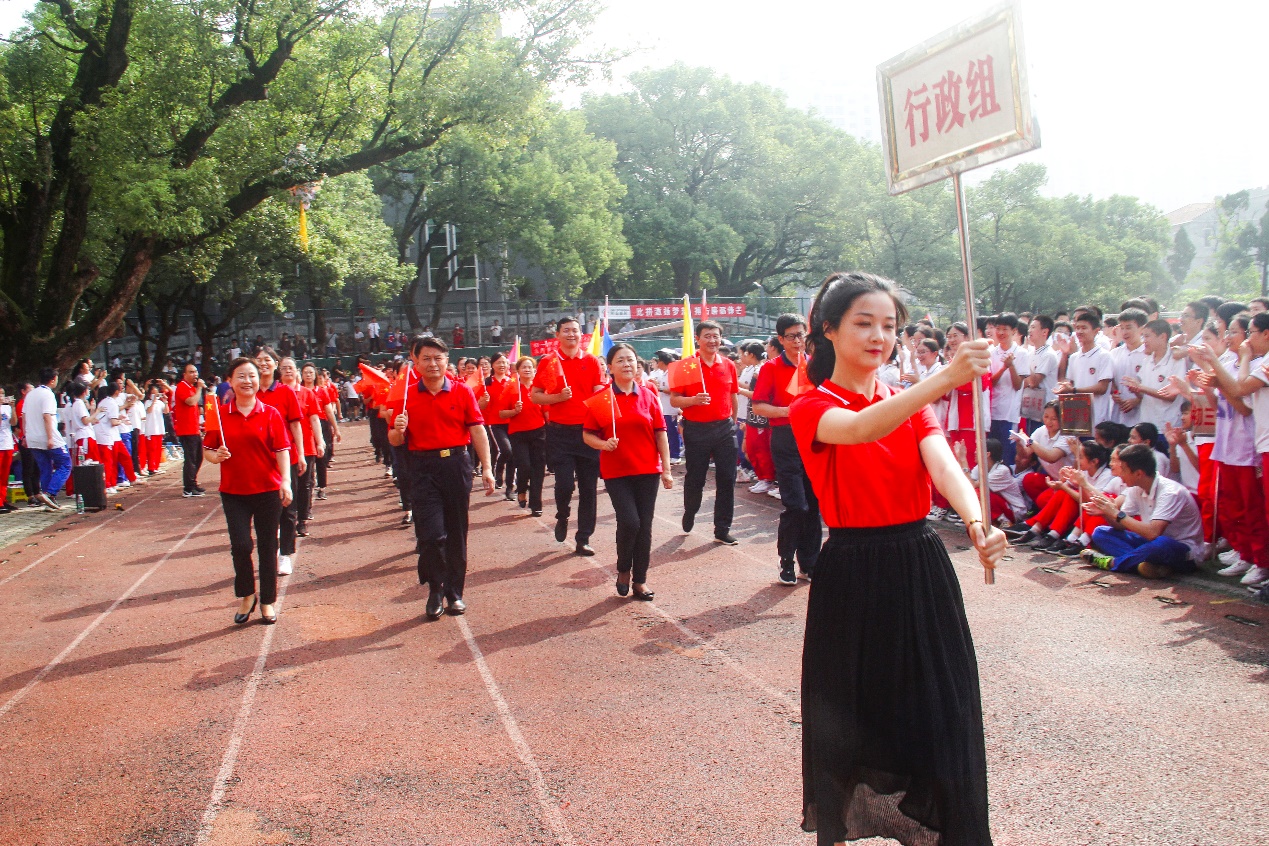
[1255, 576]
[1229, 556]
[744, 476]
[762, 487]
[112, 491]
[774, 493]
[1236, 567]
[284, 565]
[936, 513]
[125, 484]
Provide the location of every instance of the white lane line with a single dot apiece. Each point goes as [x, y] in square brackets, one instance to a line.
[230, 759]
[794, 710]
[61, 656]
[551, 813]
[69, 544]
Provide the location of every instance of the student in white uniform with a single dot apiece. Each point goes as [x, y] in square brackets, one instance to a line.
[1160, 402]
[1090, 369]
[1128, 358]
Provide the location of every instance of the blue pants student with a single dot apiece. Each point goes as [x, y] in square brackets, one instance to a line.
[54, 467]
[1129, 549]
[1000, 430]
[672, 432]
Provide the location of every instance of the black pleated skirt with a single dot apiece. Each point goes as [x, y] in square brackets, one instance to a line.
[892, 722]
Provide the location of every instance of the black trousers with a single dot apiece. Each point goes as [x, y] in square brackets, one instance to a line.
[504, 463]
[31, 472]
[401, 476]
[575, 466]
[323, 463]
[379, 437]
[240, 510]
[634, 500]
[303, 490]
[192, 446]
[134, 439]
[800, 535]
[701, 442]
[291, 514]
[440, 492]
[529, 450]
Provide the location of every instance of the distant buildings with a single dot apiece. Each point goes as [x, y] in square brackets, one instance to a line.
[1201, 223]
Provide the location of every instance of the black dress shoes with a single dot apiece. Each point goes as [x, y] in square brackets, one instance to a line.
[239, 619]
[434, 606]
[642, 595]
[623, 584]
[689, 520]
[561, 529]
[725, 538]
[585, 550]
[455, 606]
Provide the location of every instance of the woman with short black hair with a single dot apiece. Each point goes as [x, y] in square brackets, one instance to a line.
[249, 440]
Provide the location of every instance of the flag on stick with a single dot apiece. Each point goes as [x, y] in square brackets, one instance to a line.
[800, 383]
[689, 336]
[211, 413]
[684, 374]
[515, 352]
[373, 380]
[604, 404]
[553, 381]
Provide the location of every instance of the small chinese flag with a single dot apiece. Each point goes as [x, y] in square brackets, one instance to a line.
[604, 406]
[800, 383]
[211, 414]
[476, 383]
[372, 379]
[515, 352]
[684, 374]
[396, 393]
[552, 373]
[510, 393]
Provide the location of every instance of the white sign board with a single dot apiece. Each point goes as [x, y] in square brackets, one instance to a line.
[615, 312]
[957, 102]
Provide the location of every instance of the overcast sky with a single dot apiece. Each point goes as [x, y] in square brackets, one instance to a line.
[1158, 101]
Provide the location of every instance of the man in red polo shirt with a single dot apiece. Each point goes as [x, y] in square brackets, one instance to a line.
[709, 432]
[800, 534]
[441, 420]
[287, 402]
[186, 400]
[566, 452]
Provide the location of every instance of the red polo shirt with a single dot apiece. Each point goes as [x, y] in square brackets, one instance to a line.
[254, 440]
[308, 406]
[284, 399]
[882, 483]
[530, 416]
[639, 418]
[495, 388]
[184, 417]
[583, 376]
[772, 386]
[441, 420]
[721, 384]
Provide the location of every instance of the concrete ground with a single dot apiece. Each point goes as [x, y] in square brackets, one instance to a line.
[132, 711]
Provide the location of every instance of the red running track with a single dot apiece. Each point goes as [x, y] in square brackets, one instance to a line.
[132, 711]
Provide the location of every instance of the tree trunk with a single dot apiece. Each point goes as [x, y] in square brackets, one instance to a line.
[683, 277]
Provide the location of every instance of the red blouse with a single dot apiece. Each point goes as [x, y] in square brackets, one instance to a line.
[882, 483]
[639, 418]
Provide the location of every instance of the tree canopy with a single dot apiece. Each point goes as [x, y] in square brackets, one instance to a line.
[130, 131]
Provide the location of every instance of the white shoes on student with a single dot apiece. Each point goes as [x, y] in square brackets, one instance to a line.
[284, 565]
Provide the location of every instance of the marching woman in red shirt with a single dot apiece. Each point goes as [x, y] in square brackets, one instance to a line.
[526, 427]
[892, 727]
[491, 407]
[626, 425]
[253, 452]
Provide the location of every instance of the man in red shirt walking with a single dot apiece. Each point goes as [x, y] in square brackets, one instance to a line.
[186, 400]
[800, 534]
[439, 426]
[567, 454]
[709, 432]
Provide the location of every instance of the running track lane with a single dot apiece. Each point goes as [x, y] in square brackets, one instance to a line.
[371, 726]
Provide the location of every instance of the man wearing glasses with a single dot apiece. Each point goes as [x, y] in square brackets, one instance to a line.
[779, 383]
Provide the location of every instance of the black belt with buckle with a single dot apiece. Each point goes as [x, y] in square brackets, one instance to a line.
[448, 452]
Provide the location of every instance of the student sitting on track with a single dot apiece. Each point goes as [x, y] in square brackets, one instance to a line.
[1155, 528]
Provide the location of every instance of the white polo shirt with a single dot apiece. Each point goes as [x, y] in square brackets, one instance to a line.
[1154, 375]
[1085, 370]
[1169, 500]
[1006, 400]
[39, 402]
[1127, 363]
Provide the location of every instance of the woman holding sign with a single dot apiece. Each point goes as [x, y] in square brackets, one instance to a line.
[249, 440]
[526, 428]
[892, 726]
[624, 422]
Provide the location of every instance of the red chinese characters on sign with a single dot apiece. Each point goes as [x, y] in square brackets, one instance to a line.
[675, 312]
[977, 86]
